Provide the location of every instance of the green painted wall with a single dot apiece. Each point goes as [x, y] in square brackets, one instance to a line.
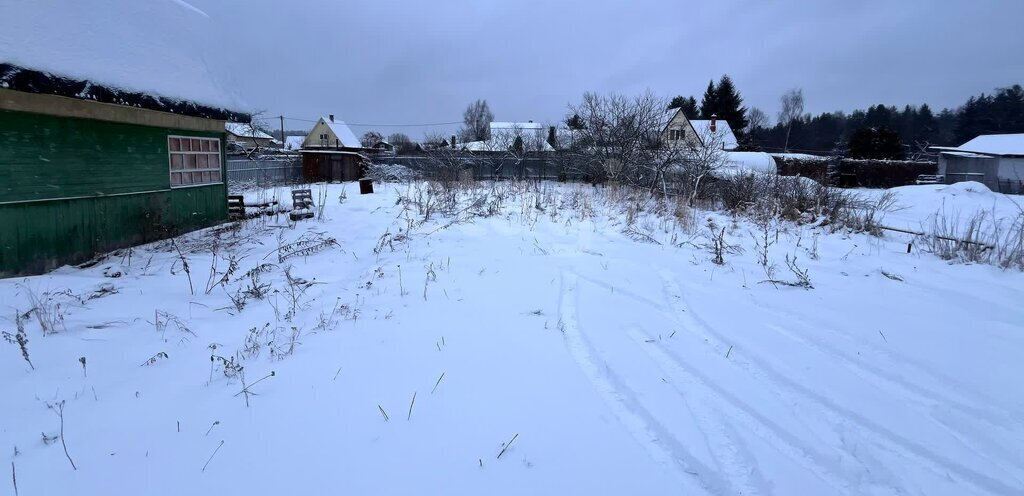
[71, 188]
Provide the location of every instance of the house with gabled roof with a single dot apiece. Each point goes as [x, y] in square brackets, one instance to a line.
[248, 136]
[110, 135]
[332, 152]
[679, 131]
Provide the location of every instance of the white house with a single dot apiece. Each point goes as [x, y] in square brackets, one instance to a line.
[996, 160]
[680, 131]
[505, 135]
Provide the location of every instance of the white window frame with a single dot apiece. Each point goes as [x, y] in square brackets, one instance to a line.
[215, 173]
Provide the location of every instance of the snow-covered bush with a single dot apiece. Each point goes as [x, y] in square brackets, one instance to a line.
[390, 173]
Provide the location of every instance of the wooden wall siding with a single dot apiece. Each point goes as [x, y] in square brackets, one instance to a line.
[47, 157]
[40, 236]
[331, 167]
[71, 188]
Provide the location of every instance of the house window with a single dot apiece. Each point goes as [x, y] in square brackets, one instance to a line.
[194, 161]
[323, 139]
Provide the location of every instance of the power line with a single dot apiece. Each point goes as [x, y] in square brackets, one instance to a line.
[377, 125]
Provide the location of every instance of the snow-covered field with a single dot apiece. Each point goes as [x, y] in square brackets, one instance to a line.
[556, 341]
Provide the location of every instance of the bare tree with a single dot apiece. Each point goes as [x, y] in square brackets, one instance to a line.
[514, 145]
[701, 159]
[756, 119]
[619, 138]
[403, 144]
[255, 127]
[370, 138]
[445, 163]
[792, 109]
[476, 121]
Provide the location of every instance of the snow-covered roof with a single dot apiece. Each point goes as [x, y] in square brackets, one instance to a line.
[155, 47]
[995, 144]
[750, 162]
[294, 142]
[245, 131]
[722, 130]
[965, 154]
[670, 114]
[344, 133]
[511, 126]
[801, 156]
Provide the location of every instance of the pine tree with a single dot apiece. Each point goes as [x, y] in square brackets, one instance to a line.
[709, 103]
[729, 105]
[687, 104]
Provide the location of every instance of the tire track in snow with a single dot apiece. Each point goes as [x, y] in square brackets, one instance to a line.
[728, 405]
[882, 437]
[917, 396]
[660, 446]
[964, 400]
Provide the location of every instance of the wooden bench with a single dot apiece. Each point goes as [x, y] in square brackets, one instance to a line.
[236, 207]
[302, 204]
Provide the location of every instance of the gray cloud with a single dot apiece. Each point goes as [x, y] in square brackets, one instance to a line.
[404, 62]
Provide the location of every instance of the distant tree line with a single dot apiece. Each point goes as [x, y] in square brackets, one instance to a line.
[884, 131]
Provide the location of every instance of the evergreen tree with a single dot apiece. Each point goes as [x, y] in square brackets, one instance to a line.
[876, 143]
[687, 104]
[925, 126]
[730, 105]
[575, 122]
[709, 103]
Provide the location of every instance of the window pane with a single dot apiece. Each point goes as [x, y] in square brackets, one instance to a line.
[206, 177]
[215, 161]
[176, 161]
[190, 161]
[216, 145]
[201, 162]
[206, 145]
[175, 178]
[173, 144]
[195, 145]
[216, 176]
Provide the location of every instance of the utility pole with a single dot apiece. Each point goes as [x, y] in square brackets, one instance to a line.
[283, 137]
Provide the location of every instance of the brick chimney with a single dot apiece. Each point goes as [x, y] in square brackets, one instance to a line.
[453, 141]
[714, 123]
[331, 117]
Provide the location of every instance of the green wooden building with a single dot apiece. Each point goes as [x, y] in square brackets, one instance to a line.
[86, 169]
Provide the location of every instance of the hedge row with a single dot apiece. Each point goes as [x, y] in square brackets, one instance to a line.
[852, 173]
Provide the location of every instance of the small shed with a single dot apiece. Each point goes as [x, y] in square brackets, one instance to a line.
[332, 165]
[106, 139]
[995, 160]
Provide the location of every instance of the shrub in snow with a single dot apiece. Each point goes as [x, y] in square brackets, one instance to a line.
[390, 173]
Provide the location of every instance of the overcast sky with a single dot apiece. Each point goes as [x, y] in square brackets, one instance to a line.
[415, 62]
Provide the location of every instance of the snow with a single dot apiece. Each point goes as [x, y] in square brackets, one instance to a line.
[343, 132]
[801, 156]
[722, 130]
[619, 366]
[996, 144]
[245, 131]
[917, 207]
[160, 47]
[516, 126]
[294, 142]
[750, 162]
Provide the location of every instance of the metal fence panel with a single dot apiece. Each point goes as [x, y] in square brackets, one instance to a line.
[262, 173]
